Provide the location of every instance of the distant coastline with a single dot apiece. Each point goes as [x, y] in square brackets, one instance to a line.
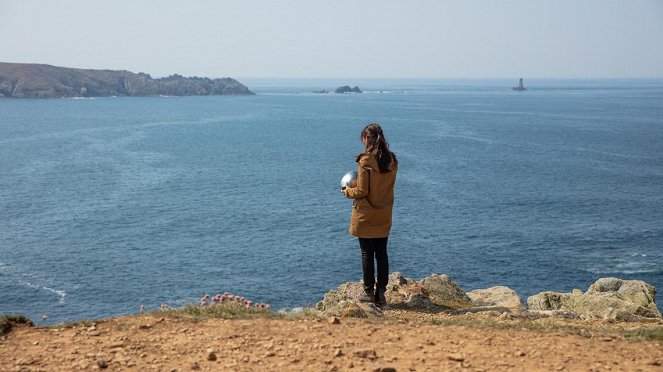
[22, 80]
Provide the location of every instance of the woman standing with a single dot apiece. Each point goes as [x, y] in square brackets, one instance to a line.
[372, 208]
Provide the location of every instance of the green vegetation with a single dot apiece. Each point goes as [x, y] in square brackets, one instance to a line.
[8, 321]
[557, 326]
[78, 323]
[231, 311]
[645, 334]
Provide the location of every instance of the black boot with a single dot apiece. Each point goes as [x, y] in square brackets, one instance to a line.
[368, 295]
[380, 299]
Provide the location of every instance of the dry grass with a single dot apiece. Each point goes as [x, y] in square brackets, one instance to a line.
[232, 311]
[630, 331]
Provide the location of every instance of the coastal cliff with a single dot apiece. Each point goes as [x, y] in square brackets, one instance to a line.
[20, 80]
[429, 324]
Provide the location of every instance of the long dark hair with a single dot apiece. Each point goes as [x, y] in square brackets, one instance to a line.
[377, 144]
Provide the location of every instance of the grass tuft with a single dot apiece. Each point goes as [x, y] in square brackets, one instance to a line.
[645, 334]
[78, 323]
[7, 321]
[225, 311]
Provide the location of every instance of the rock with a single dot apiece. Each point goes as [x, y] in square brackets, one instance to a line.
[496, 296]
[365, 353]
[560, 314]
[433, 293]
[456, 357]
[359, 310]
[419, 301]
[347, 89]
[338, 353]
[333, 320]
[396, 278]
[211, 355]
[443, 291]
[635, 291]
[385, 369]
[345, 292]
[145, 326]
[609, 299]
[102, 364]
[343, 302]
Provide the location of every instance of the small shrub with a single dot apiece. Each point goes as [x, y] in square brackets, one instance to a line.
[7, 321]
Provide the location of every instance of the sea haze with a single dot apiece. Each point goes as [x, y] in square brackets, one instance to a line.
[111, 203]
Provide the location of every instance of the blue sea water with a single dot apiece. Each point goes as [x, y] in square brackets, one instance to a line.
[111, 203]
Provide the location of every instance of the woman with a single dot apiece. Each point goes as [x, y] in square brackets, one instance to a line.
[371, 209]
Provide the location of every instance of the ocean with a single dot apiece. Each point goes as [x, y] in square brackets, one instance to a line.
[108, 204]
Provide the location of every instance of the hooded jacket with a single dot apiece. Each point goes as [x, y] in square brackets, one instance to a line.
[373, 198]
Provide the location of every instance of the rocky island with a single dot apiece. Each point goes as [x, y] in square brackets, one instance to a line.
[21, 80]
[347, 89]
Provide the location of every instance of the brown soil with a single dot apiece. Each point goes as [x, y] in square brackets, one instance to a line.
[165, 343]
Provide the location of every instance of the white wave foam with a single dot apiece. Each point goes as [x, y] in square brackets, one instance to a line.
[633, 271]
[60, 293]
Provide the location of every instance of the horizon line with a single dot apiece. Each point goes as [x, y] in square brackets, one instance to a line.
[366, 78]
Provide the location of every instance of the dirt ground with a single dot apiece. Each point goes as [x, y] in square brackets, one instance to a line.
[164, 343]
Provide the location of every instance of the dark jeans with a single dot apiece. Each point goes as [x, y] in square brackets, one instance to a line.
[370, 248]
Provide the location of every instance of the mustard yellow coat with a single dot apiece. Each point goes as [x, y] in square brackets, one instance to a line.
[373, 198]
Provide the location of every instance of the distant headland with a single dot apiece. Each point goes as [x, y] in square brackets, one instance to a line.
[22, 80]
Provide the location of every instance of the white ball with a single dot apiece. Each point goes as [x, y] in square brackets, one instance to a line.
[349, 180]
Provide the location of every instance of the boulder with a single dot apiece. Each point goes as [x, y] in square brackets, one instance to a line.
[444, 292]
[352, 309]
[433, 293]
[608, 298]
[635, 291]
[348, 292]
[499, 296]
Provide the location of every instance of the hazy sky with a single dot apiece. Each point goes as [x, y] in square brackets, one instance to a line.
[341, 38]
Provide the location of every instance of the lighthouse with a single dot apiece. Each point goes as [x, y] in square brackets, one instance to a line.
[520, 86]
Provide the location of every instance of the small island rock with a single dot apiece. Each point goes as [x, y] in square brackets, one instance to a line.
[347, 89]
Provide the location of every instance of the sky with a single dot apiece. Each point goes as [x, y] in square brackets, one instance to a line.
[341, 38]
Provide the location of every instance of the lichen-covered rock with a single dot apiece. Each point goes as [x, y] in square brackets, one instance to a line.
[433, 293]
[444, 292]
[635, 291]
[608, 298]
[351, 309]
[496, 296]
[547, 301]
[349, 291]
